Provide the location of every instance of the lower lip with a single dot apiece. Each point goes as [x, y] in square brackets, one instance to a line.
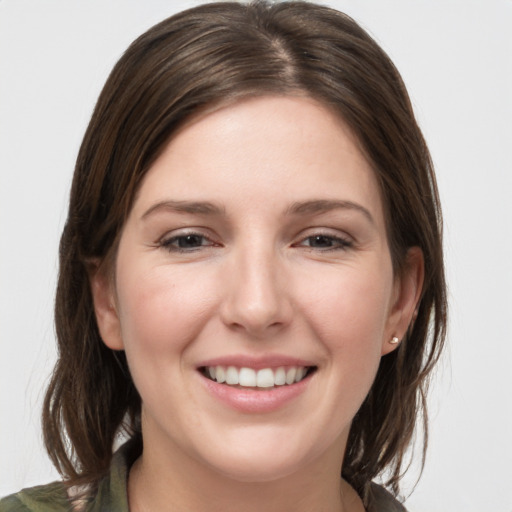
[255, 400]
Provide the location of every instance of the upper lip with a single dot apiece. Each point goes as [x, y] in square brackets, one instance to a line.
[255, 362]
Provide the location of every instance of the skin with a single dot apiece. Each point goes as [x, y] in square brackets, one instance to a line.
[255, 279]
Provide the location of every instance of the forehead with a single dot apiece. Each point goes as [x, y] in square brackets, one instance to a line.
[276, 148]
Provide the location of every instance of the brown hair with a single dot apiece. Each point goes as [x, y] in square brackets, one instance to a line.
[218, 53]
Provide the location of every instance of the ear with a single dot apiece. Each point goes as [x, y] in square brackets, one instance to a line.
[105, 309]
[406, 296]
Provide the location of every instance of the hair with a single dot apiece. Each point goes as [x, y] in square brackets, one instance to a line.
[212, 55]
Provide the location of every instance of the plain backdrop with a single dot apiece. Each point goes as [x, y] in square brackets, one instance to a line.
[456, 59]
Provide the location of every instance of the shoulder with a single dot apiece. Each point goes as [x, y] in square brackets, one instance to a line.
[110, 494]
[43, 498]
[380, 500]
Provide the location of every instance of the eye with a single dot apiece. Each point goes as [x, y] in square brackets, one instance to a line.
[326, 242]
[186, 242]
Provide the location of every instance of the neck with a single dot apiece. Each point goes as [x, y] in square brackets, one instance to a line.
[174, 482]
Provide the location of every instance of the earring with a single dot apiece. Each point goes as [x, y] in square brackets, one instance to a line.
[394, 340]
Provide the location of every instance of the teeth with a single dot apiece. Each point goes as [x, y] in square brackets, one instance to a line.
[290, 375]
[264, 378]
[231, 375]
[300, 374]
[280, 377]
[247, 377]
[220, 374]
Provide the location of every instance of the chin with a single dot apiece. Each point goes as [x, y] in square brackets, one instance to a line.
[257, 470]
[259, 460]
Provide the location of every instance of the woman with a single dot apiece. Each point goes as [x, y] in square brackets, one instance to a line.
[251, 279]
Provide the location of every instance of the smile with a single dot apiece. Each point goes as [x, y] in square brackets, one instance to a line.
[261, 378]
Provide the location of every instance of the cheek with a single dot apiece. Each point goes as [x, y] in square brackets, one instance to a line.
[349, 316]
[161, 311]
[346, 312]
[350, 302]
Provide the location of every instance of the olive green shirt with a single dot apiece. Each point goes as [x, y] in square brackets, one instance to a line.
[112, 494]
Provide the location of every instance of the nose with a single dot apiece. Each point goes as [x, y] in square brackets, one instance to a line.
[257, 296]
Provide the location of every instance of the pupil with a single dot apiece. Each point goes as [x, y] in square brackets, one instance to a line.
[321, 240]
[189, 241]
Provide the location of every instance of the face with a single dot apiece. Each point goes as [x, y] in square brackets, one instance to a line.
[256, 252]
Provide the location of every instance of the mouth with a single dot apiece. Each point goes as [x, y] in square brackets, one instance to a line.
[262, 378]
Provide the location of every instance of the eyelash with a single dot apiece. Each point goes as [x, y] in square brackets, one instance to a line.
[336, 243]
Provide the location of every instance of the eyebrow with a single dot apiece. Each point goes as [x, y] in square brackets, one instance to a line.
[312, 207]
[318, 206]
[193, 207]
